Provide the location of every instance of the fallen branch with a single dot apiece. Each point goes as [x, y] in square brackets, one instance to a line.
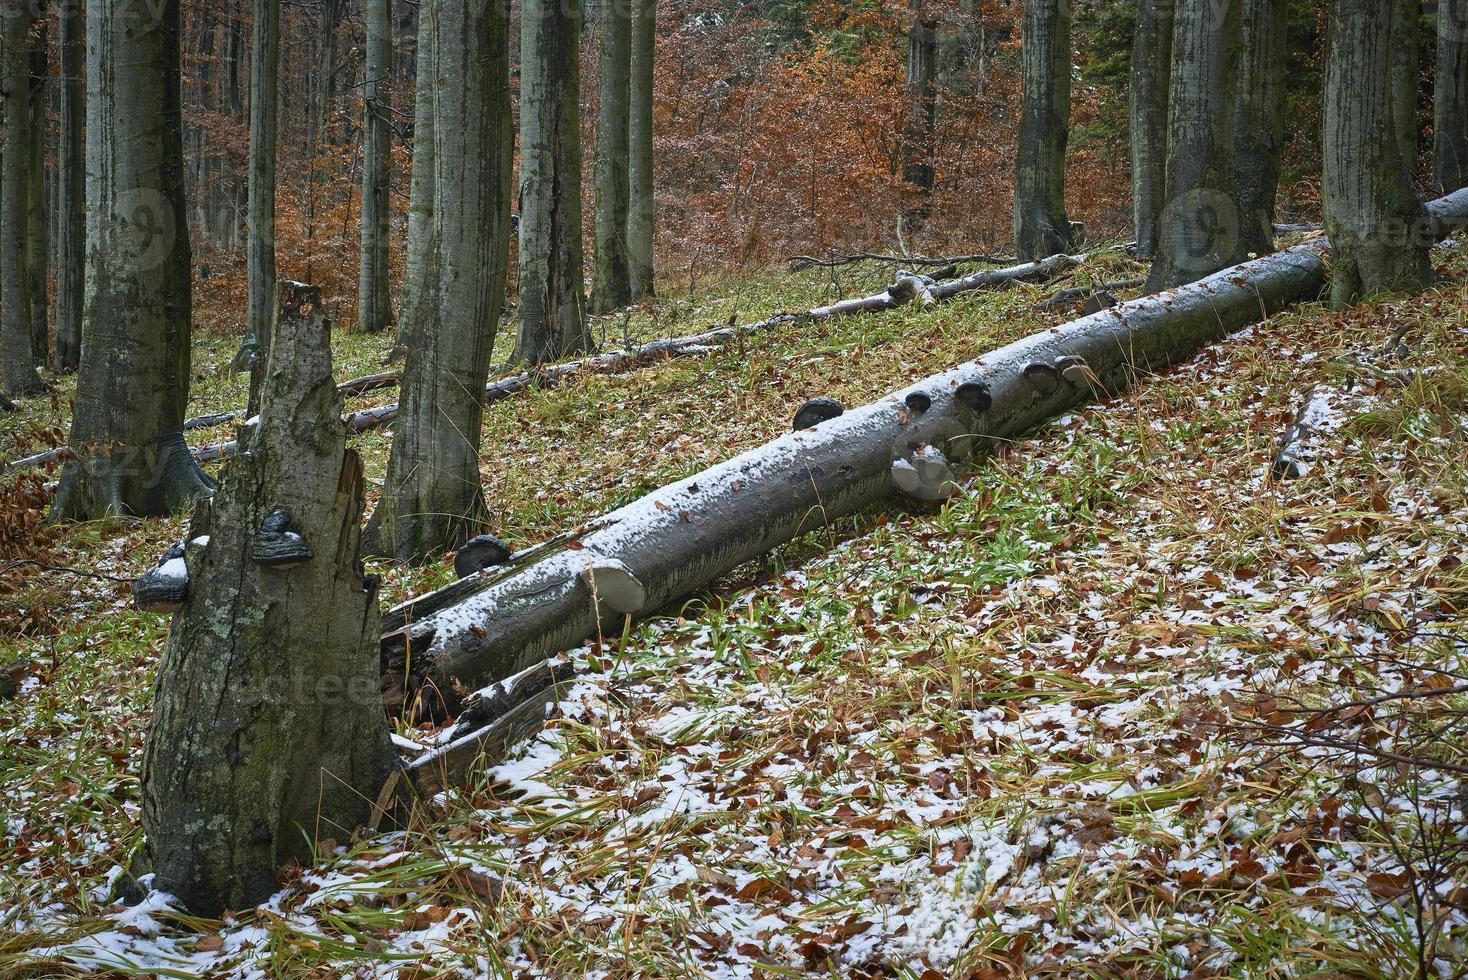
[799, 262]
[1075, 295]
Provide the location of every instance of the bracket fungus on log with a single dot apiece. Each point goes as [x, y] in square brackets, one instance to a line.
[814, 412]
[478, 553]
[268, 727]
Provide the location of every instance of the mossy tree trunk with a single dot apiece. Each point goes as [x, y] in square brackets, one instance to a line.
[1150, 76]
[128, 452]
[641, 208]
[1450, 98]
[1199, 232]
[268, 731]
[611, 285]
[71, 188]
[374, 308]
[17, 345]
[432, 500]
[1378, 227]
[552, 298]
[1041, 227]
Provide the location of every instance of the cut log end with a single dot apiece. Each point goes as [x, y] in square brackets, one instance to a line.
[816, 411]
[614, 585]
[478, 553]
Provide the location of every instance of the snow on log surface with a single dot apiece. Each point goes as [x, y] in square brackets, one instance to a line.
[681, 537]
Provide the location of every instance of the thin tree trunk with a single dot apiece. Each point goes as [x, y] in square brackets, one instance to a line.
[70, 223]
[38, 252]
[1258, 150]
[432, 500]
[268, 732]
[611, 284]
[374, 308]
[552, 304]
[415, 307]
[922, 98]
[1377, 225]
[16, 287]
[264, 117]
[1040, 224]
[323, 94]
[1450, 98]
[641, 210]
[128, 452]
[1200, 232]
[1150, 78]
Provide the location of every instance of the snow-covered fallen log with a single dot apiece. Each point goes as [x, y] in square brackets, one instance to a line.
[678, 539]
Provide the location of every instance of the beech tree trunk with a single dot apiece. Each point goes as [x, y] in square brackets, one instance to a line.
[374, 309]
[922, 98]
[1404, 72]
[37, 256]
[127, 449]
[432, 500]
[1200, 229]
[611, 284]
[16, 285]
[1040, 224]
[1150, 79]
[641, 210]
[268, 732]
[1450, 98]
[552, 301]
[260, 242]
[681, 537]
[1258, 149]
[1379, 229]
[70, 190]
[419, 272]
[323, 95]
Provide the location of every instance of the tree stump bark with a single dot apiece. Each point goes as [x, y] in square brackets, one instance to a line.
[268, 731]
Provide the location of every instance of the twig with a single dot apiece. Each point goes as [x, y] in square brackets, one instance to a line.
[799, 262]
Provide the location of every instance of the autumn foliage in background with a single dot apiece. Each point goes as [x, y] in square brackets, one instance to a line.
[779, 130]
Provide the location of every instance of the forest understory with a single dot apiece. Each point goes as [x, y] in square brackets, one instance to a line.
[1068, 723]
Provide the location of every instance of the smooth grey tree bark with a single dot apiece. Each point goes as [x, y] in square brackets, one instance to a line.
[552, 301]
[1150, 79]
[268, 731]
[641, 208]
[611, 284]
[1200, 229]
[127, 449]
[323, 93]
[432, 500]
[418, 273]
[374, 307]
[71, 188]
[38, 252]
[260, 238]
[1378, 227]
[1404, 74]
[16, 286]
[1450, 98]
[922, 98]
[1258, 150]
[1040, 224]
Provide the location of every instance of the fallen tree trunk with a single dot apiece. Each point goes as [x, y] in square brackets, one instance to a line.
[802, 262]
[678, 539]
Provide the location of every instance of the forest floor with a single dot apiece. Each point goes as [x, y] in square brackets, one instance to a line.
[1058, 725]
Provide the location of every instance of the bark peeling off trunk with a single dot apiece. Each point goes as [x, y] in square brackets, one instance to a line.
[681, 537]
[268, 729]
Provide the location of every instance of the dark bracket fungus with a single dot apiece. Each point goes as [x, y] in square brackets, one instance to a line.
[478, 553]
[279, 544]
[918, 402]
[816, 411]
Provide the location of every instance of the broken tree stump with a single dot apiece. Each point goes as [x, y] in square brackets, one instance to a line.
[268, 731]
